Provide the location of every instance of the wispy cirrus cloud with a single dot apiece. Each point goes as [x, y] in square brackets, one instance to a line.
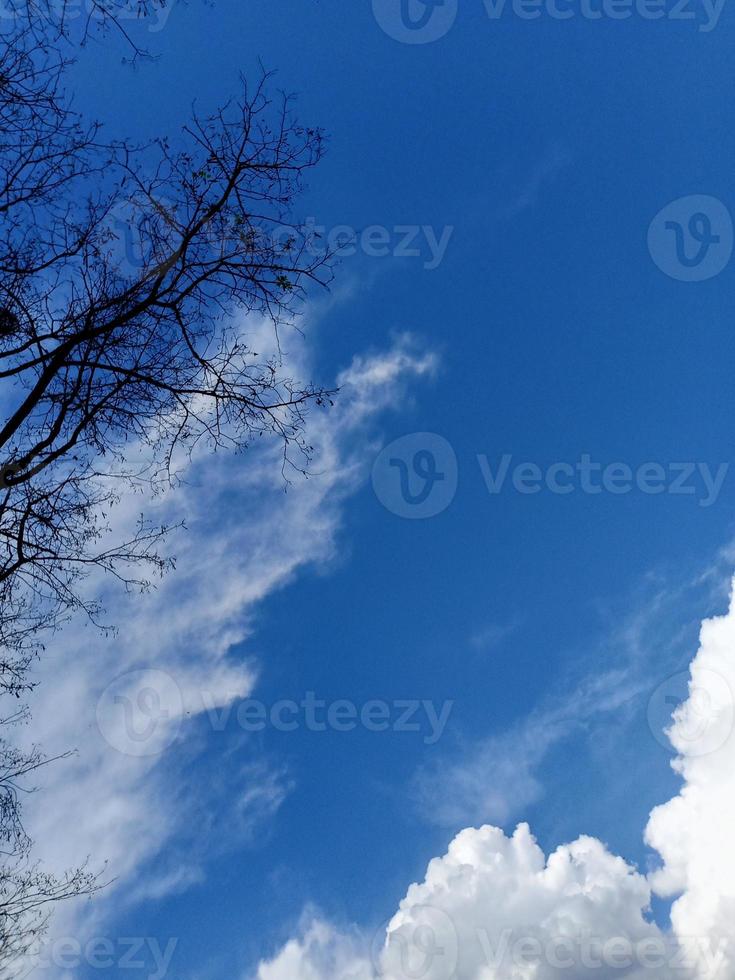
[128, 704]
[491, 636]
[496, 778]
[553, 162]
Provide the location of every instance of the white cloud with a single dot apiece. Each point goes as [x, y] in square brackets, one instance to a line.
[694, 831]
[491, 908]
[494, 908]
[171, 660]
[491, 636]
[496, 903]
[320, 953]
[555, 159]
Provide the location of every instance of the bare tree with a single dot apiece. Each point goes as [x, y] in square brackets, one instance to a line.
[127, 273]
[27, 893]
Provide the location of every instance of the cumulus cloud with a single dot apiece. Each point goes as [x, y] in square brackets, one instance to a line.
[496, 908]
[693, 833]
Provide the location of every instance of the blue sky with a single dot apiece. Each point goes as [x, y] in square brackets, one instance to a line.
[545, 332]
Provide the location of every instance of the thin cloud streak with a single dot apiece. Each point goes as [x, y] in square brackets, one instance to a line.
[246, 538]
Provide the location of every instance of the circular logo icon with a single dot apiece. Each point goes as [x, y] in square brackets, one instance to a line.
[692, 719]
[691, 238]
[140, 712]
[139, 233]
[416, 476]
[415, 21]
[418, 943]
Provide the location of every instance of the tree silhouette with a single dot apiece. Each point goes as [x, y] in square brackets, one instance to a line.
[127, 276]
